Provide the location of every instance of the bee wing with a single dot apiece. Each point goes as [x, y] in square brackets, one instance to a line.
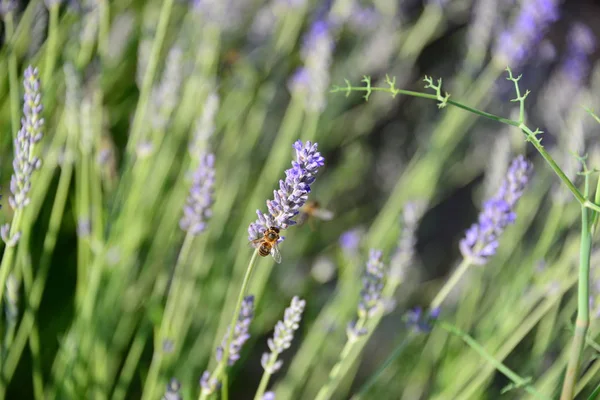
[323, 214]
[276, 254]
[302, 217]
[255, 243]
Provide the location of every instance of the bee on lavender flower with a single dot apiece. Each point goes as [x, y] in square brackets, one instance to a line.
[312, 210]
[268, 244]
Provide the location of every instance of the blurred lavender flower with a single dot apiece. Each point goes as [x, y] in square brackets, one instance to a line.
[209, 384]
[420, 322]
[120, 35]
[370, 295]
[405, 251]
[373, 281]
[226, 14]
[312, 80]
[7, 6]
[30, 133]
[205, 125]
[172, 392]
[269, 396]
[165, 95]
[514, 44]
[292, 193]
[24, 162]
[240, 332]
[283, 336]
[581, 43]
[197, 210]
[52, 3]
[481, 240]
[350, 240]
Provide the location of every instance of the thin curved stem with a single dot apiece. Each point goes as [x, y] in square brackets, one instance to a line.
[451, 283]
[517, 380]
[222, 366]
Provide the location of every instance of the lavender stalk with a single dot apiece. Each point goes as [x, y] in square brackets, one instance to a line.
[282, 340]
[481, 239]
[285, 205]
[24, 164]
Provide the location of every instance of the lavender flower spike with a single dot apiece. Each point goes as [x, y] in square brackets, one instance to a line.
[481, 240]
[24, 162]
[292, 192]
[370, 295]
[240, 332]
[283, 336]
[197, 209]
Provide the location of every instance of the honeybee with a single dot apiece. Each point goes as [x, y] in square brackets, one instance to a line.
[268, 244]
[312, 209]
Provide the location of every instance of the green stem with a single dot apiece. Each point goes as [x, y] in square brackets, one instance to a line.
[51, 50]
[170, 309]
[583, 319]
[221, 367]
[531, 136]
[131, 362]
[104, 28]
[510, 374]
[395, 354]
[139, 119]
[451, 283]
[344, 363]
[12, 73]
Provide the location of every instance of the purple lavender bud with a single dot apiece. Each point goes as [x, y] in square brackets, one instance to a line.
[284, 334]
[197, 211]
[205, 124]
[7, 6]
[481, 240]
[292, 192]
[240, 332]
[312, 80]
[209, 384]
[515, 44]
[373, 281]
[172, 392]
[269, 396]
[350, 240]
[30, 133]
[420, 322]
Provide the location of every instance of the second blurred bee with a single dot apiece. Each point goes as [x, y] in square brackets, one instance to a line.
[312, 210]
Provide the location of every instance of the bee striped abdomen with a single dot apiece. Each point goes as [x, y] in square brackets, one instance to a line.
[264, 249]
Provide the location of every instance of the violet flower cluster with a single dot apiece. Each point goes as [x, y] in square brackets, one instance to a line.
[527, 30]
[240, 332]
[173, 390]
[373, 281]
[581, 43]
[197, 209]
[313, 78]
[7, 6]
[292, 193]
[481, 240]
[284, 334]
[371, 293]
[24, 162]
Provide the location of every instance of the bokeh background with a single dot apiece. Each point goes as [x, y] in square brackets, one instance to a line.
[134, 90]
